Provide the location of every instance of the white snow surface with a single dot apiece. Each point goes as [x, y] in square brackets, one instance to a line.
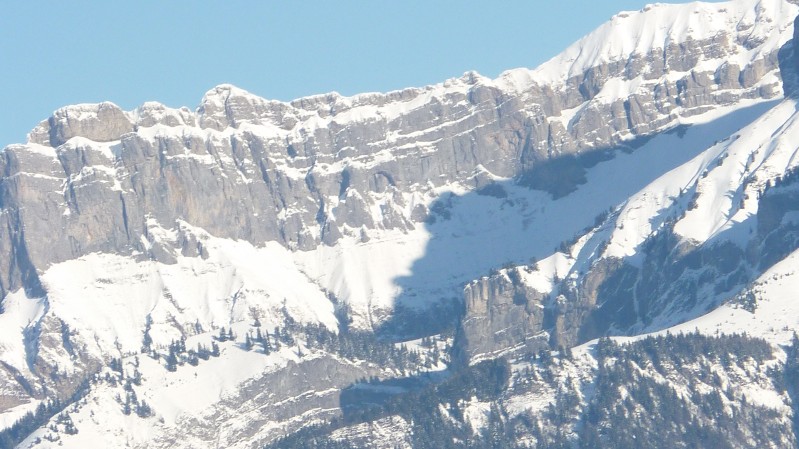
[20, 312]
[759, 153]
[476, 414]
[722, 182]
[760, 24]
[107, 298]
[189, 393]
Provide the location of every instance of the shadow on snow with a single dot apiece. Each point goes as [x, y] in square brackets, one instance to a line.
[509, 222]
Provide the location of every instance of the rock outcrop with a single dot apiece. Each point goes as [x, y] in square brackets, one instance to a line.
[503, 316]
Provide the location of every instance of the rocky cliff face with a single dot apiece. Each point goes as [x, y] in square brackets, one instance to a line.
[502, 316]
[311, 171]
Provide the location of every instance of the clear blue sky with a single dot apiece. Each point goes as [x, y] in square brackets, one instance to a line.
[54, 53]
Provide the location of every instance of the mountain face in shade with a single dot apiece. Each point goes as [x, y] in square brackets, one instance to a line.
[231, 275]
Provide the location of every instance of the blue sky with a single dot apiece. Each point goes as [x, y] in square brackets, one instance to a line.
[59, 53]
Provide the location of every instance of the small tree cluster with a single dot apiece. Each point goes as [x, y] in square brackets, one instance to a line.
[132, 404]
[225, 335]
[13, 435]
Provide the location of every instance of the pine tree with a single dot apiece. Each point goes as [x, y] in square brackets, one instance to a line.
[202, 351]
[143, 409]
[181, 348]
[69, 426]
[147, 342]
[171, 360]
[192, 358]
[267, 346]
[116, 365]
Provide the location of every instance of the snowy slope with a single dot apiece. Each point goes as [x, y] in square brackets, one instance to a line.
[107, 299]
[776, 311]
[724, 181]
[759, 28]
[728, 181]
[711, 198]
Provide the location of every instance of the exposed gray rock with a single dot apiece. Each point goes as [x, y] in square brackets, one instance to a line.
[392, 432]
[102, 122]
[267, 407]
[151, 114]
[503, 316]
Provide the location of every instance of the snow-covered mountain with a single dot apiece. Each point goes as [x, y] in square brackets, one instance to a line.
[228, 276]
